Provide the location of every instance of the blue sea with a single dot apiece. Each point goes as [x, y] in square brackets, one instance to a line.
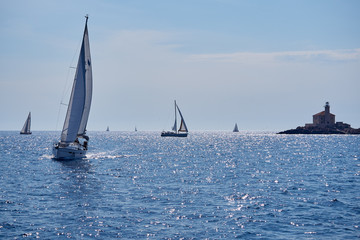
[211, 185]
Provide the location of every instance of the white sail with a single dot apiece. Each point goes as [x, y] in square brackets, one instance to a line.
[81, 94]
[27, 124]
[175, 123]
[88, 83]
[182, 127]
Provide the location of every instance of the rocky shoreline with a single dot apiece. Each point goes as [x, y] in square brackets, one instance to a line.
[319, 130]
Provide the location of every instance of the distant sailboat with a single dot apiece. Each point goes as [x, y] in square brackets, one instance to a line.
[135, 129]
[74, 141]
[236, 128]
[182, 131]
[107, 129]
[26, 127]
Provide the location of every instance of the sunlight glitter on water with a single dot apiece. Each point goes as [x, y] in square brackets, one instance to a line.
[210, 185]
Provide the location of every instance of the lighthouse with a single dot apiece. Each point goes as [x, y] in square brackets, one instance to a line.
[324, 118]
[324, 123]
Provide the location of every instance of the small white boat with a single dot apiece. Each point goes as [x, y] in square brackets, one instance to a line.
[107, 129]
[236, 129]
[26, 127]
[182, 131]
[74, 141]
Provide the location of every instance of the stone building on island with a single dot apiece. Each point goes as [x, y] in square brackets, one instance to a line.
[324, 123]
[323, 119]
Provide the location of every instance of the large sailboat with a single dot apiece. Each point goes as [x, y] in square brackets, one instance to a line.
[74, 141]
[182, 131]
[26, 127]
[236, 129]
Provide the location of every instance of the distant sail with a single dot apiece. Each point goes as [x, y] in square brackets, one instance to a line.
[182, 131]
[107, 129]
[236, 128]
[27, 124]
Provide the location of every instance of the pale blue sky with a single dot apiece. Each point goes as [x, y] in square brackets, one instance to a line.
[267, 65]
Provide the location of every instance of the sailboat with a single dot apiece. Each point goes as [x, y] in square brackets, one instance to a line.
[26, 127]
[236, 128]
[182, 131]
[107, 129]
[74, 141]
[135, 129]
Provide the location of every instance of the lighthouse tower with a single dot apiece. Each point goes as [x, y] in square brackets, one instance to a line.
[327, 114]
[324, 118]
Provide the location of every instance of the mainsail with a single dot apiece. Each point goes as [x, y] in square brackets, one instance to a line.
[26, 127]
[175, 123]
[80, 100]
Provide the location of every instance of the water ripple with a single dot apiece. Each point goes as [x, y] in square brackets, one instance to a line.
[211, 185]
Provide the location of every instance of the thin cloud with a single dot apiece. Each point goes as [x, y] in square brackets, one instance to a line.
[347, 55]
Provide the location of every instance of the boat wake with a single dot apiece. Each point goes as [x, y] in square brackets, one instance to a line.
[106, 155]
[99, 155]
[46, 156]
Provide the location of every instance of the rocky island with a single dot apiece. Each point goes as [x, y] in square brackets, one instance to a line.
[324, 123]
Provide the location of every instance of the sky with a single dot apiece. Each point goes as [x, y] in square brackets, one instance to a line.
[265, 65]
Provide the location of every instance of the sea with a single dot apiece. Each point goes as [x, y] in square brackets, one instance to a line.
[210, 185]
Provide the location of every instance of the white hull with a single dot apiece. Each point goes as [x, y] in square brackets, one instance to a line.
[68, 152]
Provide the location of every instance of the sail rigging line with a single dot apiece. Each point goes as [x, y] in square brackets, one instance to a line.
[68, 83]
